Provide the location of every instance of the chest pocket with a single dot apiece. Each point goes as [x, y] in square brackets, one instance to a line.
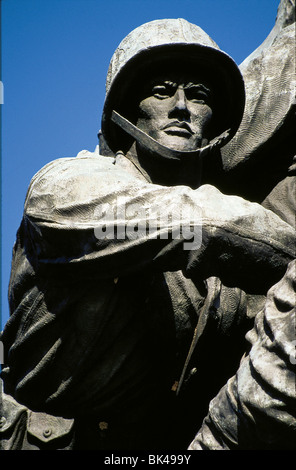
[49, 432]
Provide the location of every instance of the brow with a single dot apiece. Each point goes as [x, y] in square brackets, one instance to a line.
[189, 85]
[197, 86]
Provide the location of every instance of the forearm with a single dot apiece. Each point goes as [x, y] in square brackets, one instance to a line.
[198, 231]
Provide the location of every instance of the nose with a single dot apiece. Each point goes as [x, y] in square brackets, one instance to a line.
[179, 107]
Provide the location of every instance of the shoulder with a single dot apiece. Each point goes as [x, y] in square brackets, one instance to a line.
[84, 162]
[74, 180]
[71, 174]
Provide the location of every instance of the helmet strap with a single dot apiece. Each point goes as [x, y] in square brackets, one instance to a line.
[153, 146]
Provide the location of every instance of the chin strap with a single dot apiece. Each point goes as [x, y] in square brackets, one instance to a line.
[155, 147]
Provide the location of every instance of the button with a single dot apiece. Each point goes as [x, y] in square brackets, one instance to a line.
[2, 421]
[103, 426]
[47, 432]
[175, 386]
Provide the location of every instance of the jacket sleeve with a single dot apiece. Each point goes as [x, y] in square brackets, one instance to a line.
[86, 217]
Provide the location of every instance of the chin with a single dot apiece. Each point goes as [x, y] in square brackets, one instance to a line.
[181, 144]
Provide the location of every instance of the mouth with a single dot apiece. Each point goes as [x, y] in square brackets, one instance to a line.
[178, 128]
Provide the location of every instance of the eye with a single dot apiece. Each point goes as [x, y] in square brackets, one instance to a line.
[162, 91]
[197, 95]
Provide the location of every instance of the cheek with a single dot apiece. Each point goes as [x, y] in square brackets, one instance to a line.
[201, 117]
[148, 110]
[150, 117]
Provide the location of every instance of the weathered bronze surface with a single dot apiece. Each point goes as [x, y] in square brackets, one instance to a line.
[139, 268]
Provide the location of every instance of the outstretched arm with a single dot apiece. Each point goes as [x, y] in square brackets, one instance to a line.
[203, 231]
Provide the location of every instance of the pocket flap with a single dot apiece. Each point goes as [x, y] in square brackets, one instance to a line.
[46, 427]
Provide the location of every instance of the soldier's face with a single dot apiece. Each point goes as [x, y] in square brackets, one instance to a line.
[176, 111]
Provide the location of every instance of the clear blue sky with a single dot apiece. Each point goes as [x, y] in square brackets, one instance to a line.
[55, 55]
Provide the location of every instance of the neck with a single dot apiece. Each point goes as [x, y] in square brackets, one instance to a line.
[166, 172]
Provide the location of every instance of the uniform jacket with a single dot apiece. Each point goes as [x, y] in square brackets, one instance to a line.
[101, 328]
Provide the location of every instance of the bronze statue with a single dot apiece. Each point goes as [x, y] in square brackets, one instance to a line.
[131, 276]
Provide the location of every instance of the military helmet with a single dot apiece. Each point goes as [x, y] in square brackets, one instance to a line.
[151, 45]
